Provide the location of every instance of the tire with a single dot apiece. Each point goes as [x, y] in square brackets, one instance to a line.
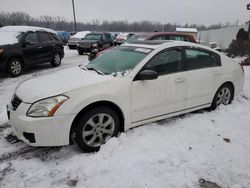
[224, 95]
[95, 127]
[80, 52]
[15, 67]
[56, 59]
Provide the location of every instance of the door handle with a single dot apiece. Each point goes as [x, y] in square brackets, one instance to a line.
[180, 80]
[39, 47]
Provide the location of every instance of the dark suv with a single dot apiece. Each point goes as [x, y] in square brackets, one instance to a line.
[25, 46]
[94, 42]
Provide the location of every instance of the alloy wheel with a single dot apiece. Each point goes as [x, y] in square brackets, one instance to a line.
[223, 96]
[98, 129]
[15, 67]
[57, 59]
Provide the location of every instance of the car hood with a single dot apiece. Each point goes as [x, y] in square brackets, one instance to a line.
[43, 86]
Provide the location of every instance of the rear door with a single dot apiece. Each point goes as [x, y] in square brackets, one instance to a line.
[204, 74]
[46, 44]
[164, 95]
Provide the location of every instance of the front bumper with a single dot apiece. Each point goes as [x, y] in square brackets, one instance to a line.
[45, 131]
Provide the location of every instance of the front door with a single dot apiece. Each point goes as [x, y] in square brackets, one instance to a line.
[164, 95]
[31, 48]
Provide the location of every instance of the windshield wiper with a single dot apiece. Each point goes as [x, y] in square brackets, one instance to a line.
[96, 70]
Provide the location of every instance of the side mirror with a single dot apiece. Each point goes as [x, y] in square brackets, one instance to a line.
[147, 75]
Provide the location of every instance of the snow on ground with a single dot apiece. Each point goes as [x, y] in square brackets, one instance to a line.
[174, 153]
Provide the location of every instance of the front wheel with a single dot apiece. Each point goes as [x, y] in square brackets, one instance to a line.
[15, 67]
[95, 128]
[224, 95]
[56, 59]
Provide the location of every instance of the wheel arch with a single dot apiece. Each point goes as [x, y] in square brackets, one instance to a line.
[94, 105]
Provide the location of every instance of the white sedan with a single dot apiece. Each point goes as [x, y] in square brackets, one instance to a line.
[128, 86]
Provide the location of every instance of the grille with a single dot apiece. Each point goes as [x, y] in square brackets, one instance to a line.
[85, 45]
[15, 102]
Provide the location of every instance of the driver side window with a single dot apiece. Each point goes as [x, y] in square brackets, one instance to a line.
[166, 62]
[31, 37]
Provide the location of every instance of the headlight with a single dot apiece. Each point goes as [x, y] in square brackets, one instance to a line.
[1, 50]
[94, 45]
[46, 107]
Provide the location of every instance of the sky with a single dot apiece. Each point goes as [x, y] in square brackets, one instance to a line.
[205, 12]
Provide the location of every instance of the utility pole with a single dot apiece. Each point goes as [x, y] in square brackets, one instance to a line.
[248, 8]
[73, 4]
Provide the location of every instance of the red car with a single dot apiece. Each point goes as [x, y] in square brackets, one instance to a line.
[163, 36]
[151, 36]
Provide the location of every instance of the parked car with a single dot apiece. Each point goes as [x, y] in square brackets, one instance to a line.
[79, 36]
[163, 36]
[64, 36]
[94, 42]
[122, 37]
[128, 86]
[25, 46]
[149, 36]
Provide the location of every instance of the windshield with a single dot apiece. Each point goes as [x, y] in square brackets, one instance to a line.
[9, 37]
[119, 59]
[93, 37]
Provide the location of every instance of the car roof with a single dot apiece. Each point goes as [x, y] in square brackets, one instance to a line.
[25, 29]
[156, 44]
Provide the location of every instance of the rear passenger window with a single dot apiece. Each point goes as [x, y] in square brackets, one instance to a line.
[197, 59]
[43, 37]
[54, 37]
[166, 62]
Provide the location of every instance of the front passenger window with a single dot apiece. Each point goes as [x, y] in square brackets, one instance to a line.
[31, 38]
[166, 62]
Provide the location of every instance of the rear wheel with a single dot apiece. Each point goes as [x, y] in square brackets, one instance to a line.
[95, 128]
[224, 95]
[15, 67]
[56, 59]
